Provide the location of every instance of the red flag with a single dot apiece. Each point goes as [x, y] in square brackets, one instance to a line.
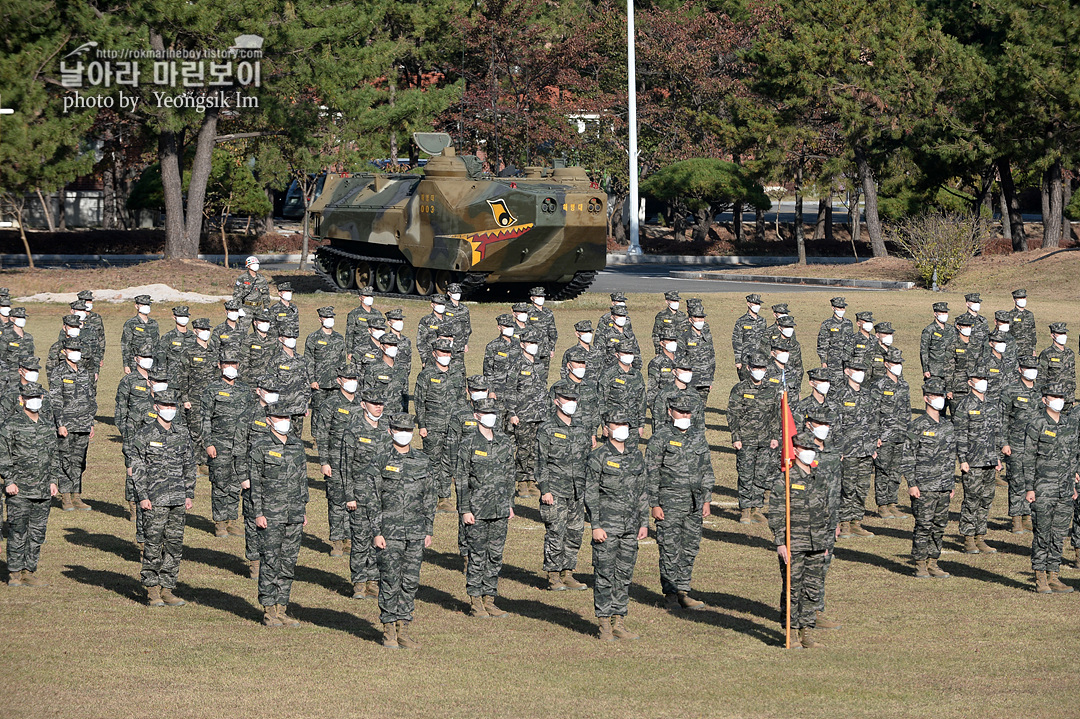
[787, 432]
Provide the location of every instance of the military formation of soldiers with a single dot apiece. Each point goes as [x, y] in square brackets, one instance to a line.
[235, 397]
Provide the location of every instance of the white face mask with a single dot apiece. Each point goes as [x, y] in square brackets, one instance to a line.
[232, 315]
[73, 331]
[1021, 303]
[965, 331]
[671, 346]
[698, 324]
[975, 306]
[626, 359]
[376, 334]
[942, 317]
[858, 376]
[204, 335]
[271, 397]
[755, 308]
[673, 306]
[146, 362]
[455, 296]
[443, 360]
[143, 309]
[757, 374]
[182, 321]
[840, 313]
[289, 342]
[569, 407]
[20, 321]
[287, 296]
[887, 340]
[282, 426]
[1030, 374]
[620, 433]
[937, 403]
[618, 304]
[521, 316]
[89, 306]
[787, 331]
[531, 348]
[5, 311]
[80, 314]
[578, 372]
[438, 309]
[397, 325]
[783, 357]
[1004, 329]
[806, 456]
[230, 372]
[821, 431]
[979, 386]
[479, 394]
[391, 351]
[254, 266]
[402, 439]
[506, 331]
[263, 327]
[167, 414]
[367, 300]
[33, 403]
[489, 420]
[1060, 339]
[867, 326]
[1000, 347]
[586, 337]
[538, 301]
[74, 356]
[159, 386]
[328, 322]
[619, 320]
[896, 369]
[350, 385]
[681, 422]
[684, 377]
[1056, 403]
[823, 388]
[32, 376]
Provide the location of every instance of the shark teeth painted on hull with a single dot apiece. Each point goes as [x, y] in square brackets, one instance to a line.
[481, 240]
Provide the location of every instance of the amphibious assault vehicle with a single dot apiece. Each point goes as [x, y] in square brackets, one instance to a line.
[413, 234]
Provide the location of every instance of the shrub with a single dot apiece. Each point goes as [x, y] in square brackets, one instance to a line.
[944, 243]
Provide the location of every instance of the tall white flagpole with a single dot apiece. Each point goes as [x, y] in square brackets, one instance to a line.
[635, 244]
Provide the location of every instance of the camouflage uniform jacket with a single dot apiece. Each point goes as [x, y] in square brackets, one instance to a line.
[892, 400]
[132, 403]
[1022, 327]
[813, 515]
[833, 339]
[856, 427]
[222, 407]
[74, 397]
[170, 354]
[335, 414]
[285, 317]
[594, 363]
[935, 349]
[746, 337]
[437, 394]
[1020, 405]
[1058, 366]
[776, 375]
[485, 488]
[678, 321]
[200, 367]
[616, 342]
[679, 473]
[13, 348]
[805, 405]
[251, 425]
[527, 390]
[359, 446]
[29, 456]
[252, 291]
[93, 320]
[426, 333]
[500, 356]
[660, 375]
[1050, 458]
[294, 377]
[699, 349]
[163, 465]
[256, 352]
[279, 482]
[402, 505]
[356, 326]
[392, 382]
[616, 497]
[964, 356]
[562, 453]
[326, 352]
[978, 427]
[860, 349]
[588, 408]
[459, 315]
[625, 390]
[1001, 370]
[606, 325]
[754, 411]
[9, 402]
[544, 320]
[929, 461]
[226, 337]
[136, 332]
[980, 330]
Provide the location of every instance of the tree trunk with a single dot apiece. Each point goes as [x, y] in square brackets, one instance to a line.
[47, 210]
[701, 226]
[869, 188]
[982, 202]
[1016, 221]
[828, 220]
[819, 225]
[854, 223]
[800, 231]
[736, 221]
[1052, 218]
[177, 245]
[1066, 198]
[200, 173]
[110, 217]
[759, 224]
[1006, 226]
[268, 220]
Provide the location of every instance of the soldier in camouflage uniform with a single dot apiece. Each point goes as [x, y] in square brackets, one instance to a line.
[401, 513]
[279, 495]
[929, 463]
[520, 312]
[92, 335]
[285, 314]
[293, 374]
[163, 469]
[501, 353]
[365, 437]
[594, 355]
[5, 311]
[621, 385]
[356, 325]
[1000, 361]
[966, 353]
[329, 421]
[819, 423]
[617, 508]
[754, 420]
[746, 335]
[199, 369]
[459, 315]
[1021, 402]
[462, 422]
[30, 467]
[395, 325]
[979, 440]
[29, 371]
[862, 342]
[74, 402]
[15, 342]
[606, 323]
[563, 444]
[229, 335]
[258, 348]
[857, 432]
[1050, 464]
[249, 427]
[93, 320]
[543, 320]
[781, 353]
[252, 289]
[936, 344]
[820, 379]
[485, 498]
[697, 342]
[884, 334]
[224, 402]
[133, 402]
[366, 352]
[813, 516]
[681, 386]
[679, 478]
[325, 349]
[980, 327]
[658, 374]
[578, 382]
[620, 339]
[671, 316]
[170, 356]
[1003, 332]
[137, 330]
[427, 329]
[70, 327]
[389, 376]
[1057, 363]
[835, 335]
[438, 392]
[526, 402]
[1022, 325]
[892, 402]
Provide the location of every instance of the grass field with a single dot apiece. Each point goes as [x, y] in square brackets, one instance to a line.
[978, 644]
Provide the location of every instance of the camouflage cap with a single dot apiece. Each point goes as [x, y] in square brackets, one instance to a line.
[143, 300]
[754, 298]
[972, 297]
[1002, 316]
[617, 415]
[577, 353]
[680, 402]
[864, 316]
[5, 301]
[978, 371]
[781, 344]
[376, 323]
[821, 414]
[855, 364]
[395, 314]
[201, 323]
[1019, 294]
[695, 307]
[32, 389]
[478, 382]
[780, 308]
[158, 374]
[819, 374]
[261, 315]
[269, 383]
[85, 295]
[683, 362]
[965, 320]
[1029, 362]
[29, 361]
[672, 295]
[167, 396]
[438, 299]
[838, 302]
[530, 334]
[998, 336]
[1057, 328]
[453, 288]
[4, 292]
[390, 339]
[442, 345]
[284, 287]
[144, 349]
[18, 312]
[759, 359]
[934, 386]
[325, 311]
[372, 395]
[181, 311]
[567, 391]
[232, 305]
[367, 291]
[941, 307]
[229, 355]
[537, 292]
[617, 297]
[285, 330]
[894, 356]
[805, 440]
[1055, 389]
[71, 321]
[884, 328]
[348, 370]
[486, 405]
[668, 333]
[402, 420]
[619, 311]
[505, 320]
[73, 343]
[785, 321]
[583, 326]
[519, 307]
[78, 306]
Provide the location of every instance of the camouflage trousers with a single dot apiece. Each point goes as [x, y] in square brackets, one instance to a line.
[678, 537]
[807, 587]
[72, 452]
[164, 529]
[855, 473]
[336, 514]
[1014, 475]
[931, 512]
[27, 521]
[887, 472]
[296, 427]
[704, 390]
[1050, 518]
[318, 396]
[129, 496]
[399, 578]
[525, 450]
[279, 547]
[613, 568]
[224, 487]
[435, 448]
[193, 418]
[251, 532]
[362, 565]
[564, 523]
[979, 485]
[485, 539]
[757, 466]
[825, 564]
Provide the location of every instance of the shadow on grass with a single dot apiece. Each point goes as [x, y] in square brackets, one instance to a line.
[523, 576]
[527, 512]
[337, 620]
[535, 609]
[200, 523]
[722, 449]
[123, 548]
[967, 571]
[215, 558]
[315, 544]
[110, 508]
[222, 601]
[450, 561]
[125, 585]
[431, 595]
[746, 540]
[722, 610]
[849, 554]
[335, 583]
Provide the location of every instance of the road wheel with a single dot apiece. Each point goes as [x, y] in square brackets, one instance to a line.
[443, 278]
[405, 279]
[425, 281]
[384, 277]
[343, 274]
[362, 275]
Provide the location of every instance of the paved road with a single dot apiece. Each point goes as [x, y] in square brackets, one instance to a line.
[655, 279]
